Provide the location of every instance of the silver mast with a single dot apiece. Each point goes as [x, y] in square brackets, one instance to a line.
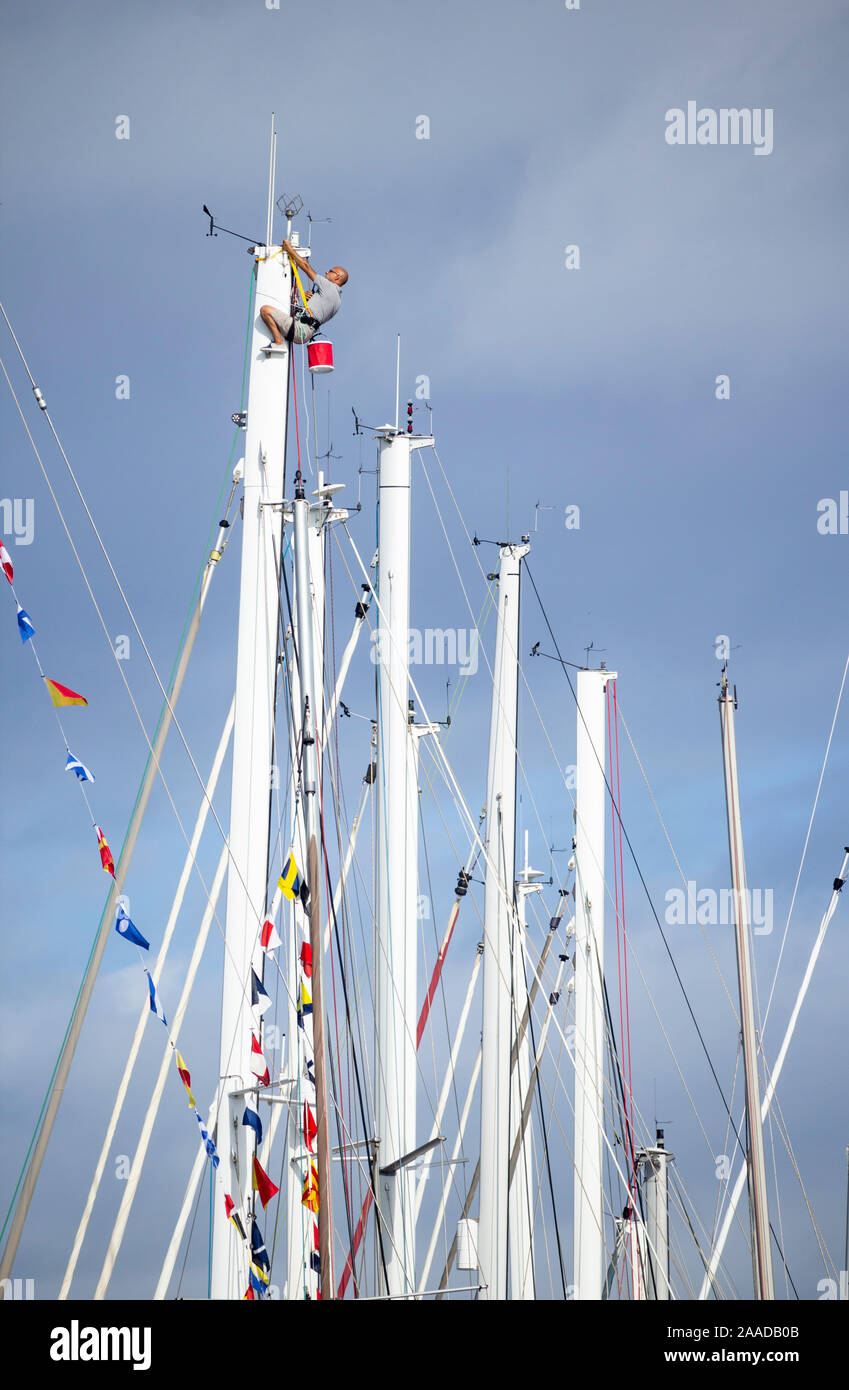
[761, 1253]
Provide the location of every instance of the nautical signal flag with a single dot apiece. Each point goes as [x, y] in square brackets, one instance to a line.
[233, 1215]
[304, 1006]
[124, 927]
[269, 940]
[259, 1066]
[186, 1079]
[309, 1197]
[258, 1250]
[260, 998]
[306, 959]
[310, 1127]
[155, 1006]
[105, 854]
[74, 765]
[61, 695]
[6, 563]
[207, 1142]
[291, 883]
[25, 624]
[262, 1184]
[252, 1120]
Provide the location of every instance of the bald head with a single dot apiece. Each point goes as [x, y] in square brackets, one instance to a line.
[338, 275]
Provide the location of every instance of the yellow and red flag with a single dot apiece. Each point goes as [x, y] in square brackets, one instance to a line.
[61, 695]
[262, 1184]
[105, 852]
[185, 1077]
[309, 1198]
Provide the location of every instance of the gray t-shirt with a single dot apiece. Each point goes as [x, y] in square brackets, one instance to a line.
[325, 299]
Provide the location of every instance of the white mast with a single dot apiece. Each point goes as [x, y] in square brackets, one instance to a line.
[761, 1253]
[655, 1162]
[252, 754]
[396, 813]
[499, 934]
[589, 974]
[523, 1196]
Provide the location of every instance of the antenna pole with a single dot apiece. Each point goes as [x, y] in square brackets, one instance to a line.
[271, 155]
[758, 1211]
[655, 1162]
[589, 1244]
[397, 379]
[500, 937]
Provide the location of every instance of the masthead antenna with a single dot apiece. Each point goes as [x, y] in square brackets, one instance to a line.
[272, 154]
[397, 377]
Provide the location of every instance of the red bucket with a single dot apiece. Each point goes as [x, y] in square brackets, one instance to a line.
[320, 356]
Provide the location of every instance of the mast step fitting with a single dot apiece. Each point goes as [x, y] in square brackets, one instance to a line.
[275, 348]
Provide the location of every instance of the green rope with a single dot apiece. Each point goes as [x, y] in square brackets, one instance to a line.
[192, 606]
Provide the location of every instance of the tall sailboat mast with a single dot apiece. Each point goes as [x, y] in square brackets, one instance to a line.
[500, 936]
[759, 1214]
[590, 892]
[253, 753]
[397, 871]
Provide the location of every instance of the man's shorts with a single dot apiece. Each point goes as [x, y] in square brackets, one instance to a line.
[303, 332]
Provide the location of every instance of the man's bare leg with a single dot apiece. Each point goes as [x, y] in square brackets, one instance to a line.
[265, 314]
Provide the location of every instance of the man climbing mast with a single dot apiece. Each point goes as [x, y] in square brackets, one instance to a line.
[324, 300]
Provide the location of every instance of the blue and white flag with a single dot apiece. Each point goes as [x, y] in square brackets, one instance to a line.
[252, 1120]
[155, 1006]
[207, 1142]
[124, 927]
[25, 625]
[260, 998]
[74, 765]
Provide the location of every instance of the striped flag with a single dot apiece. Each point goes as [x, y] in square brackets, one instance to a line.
[6, 563]
[290, 882]
[252, 1120]
[306, 959]
[185, 1077]
[262, 1184]
[260, 998]
[74, 765]
[155, 1006]
[233, 1215]
[25, 624]
[105, 852]
[259, 1066]
[269, 940]
[304, 1006]
[61, 695]
[207, 1142]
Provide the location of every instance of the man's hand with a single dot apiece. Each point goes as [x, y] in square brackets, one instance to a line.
[299, 260]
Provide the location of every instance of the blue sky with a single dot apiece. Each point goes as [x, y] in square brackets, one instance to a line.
[593, 387]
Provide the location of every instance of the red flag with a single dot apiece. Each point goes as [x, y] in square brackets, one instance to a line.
[259, 1066]
[310, 1127]
[61, 695]
[6, 563]
[262, 1184]
[250, 1293]
[268, 936]
[233, 1215]
[306, 959]
[105, 852]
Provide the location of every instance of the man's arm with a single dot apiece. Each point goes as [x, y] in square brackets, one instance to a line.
[299, 260]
